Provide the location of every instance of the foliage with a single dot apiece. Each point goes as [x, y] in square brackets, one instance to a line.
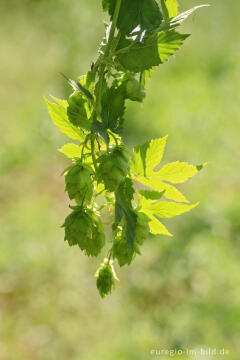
[140, 37]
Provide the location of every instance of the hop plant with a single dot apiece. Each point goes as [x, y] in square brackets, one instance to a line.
[127, 188]
[79, 184]
[113, 168]
[106, 277]
[84, 228]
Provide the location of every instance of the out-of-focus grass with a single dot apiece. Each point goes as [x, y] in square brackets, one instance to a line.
[183, 292]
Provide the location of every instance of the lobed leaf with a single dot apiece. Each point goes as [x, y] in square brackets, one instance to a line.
[162, 209]
[123, 208]
[71, 150]
[147, 157]
[78, 111]
[176, 172]
[156, 226]
[113, 108]
[170, 191]
[155, 50]
[144, 14]
[165, 209]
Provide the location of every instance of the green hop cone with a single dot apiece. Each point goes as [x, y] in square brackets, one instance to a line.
[84, 228]
[79, 185]
[121, 252]
[134, 90]
[142, 228]
[113, 168]
[106, 277]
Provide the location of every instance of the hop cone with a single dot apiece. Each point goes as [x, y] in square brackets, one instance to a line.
[105, 278]
[84, 228]
[120, 250]
[134, 90]
[113, 168]
[79, 184]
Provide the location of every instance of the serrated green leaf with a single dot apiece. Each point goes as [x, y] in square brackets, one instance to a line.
[58, 114]
[71, 150]
[165, 209]
[112, 111]
[162, 209]
[176, 172]
[170, 191]
[147, 156]
[123, 208]
[146, 74]
[61, 102]
[144, 14]
[145, 159]
[169, 8]
[156, 226]
[77, 86]
[172, 23]
[78, 111]
[155, 50]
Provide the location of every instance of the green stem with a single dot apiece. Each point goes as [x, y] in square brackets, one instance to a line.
[118, 37]
[114, 137]
[109, 255]
[102, 71]
[107, 51]
[93, 153]
[83, 147]
[113, 27]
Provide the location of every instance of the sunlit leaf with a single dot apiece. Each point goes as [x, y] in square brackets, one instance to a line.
[58, 114]
[71, 151]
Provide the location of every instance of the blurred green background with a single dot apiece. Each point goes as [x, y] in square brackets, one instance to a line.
[183, 292]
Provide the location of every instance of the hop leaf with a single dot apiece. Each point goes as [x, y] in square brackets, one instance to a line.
[78, 111]
[106, 277]
[124, 209]
[120, 249]
[84, 228]
[142, 228]
[155, 50]
[113, 168]
[79, 184]
[144, 14]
